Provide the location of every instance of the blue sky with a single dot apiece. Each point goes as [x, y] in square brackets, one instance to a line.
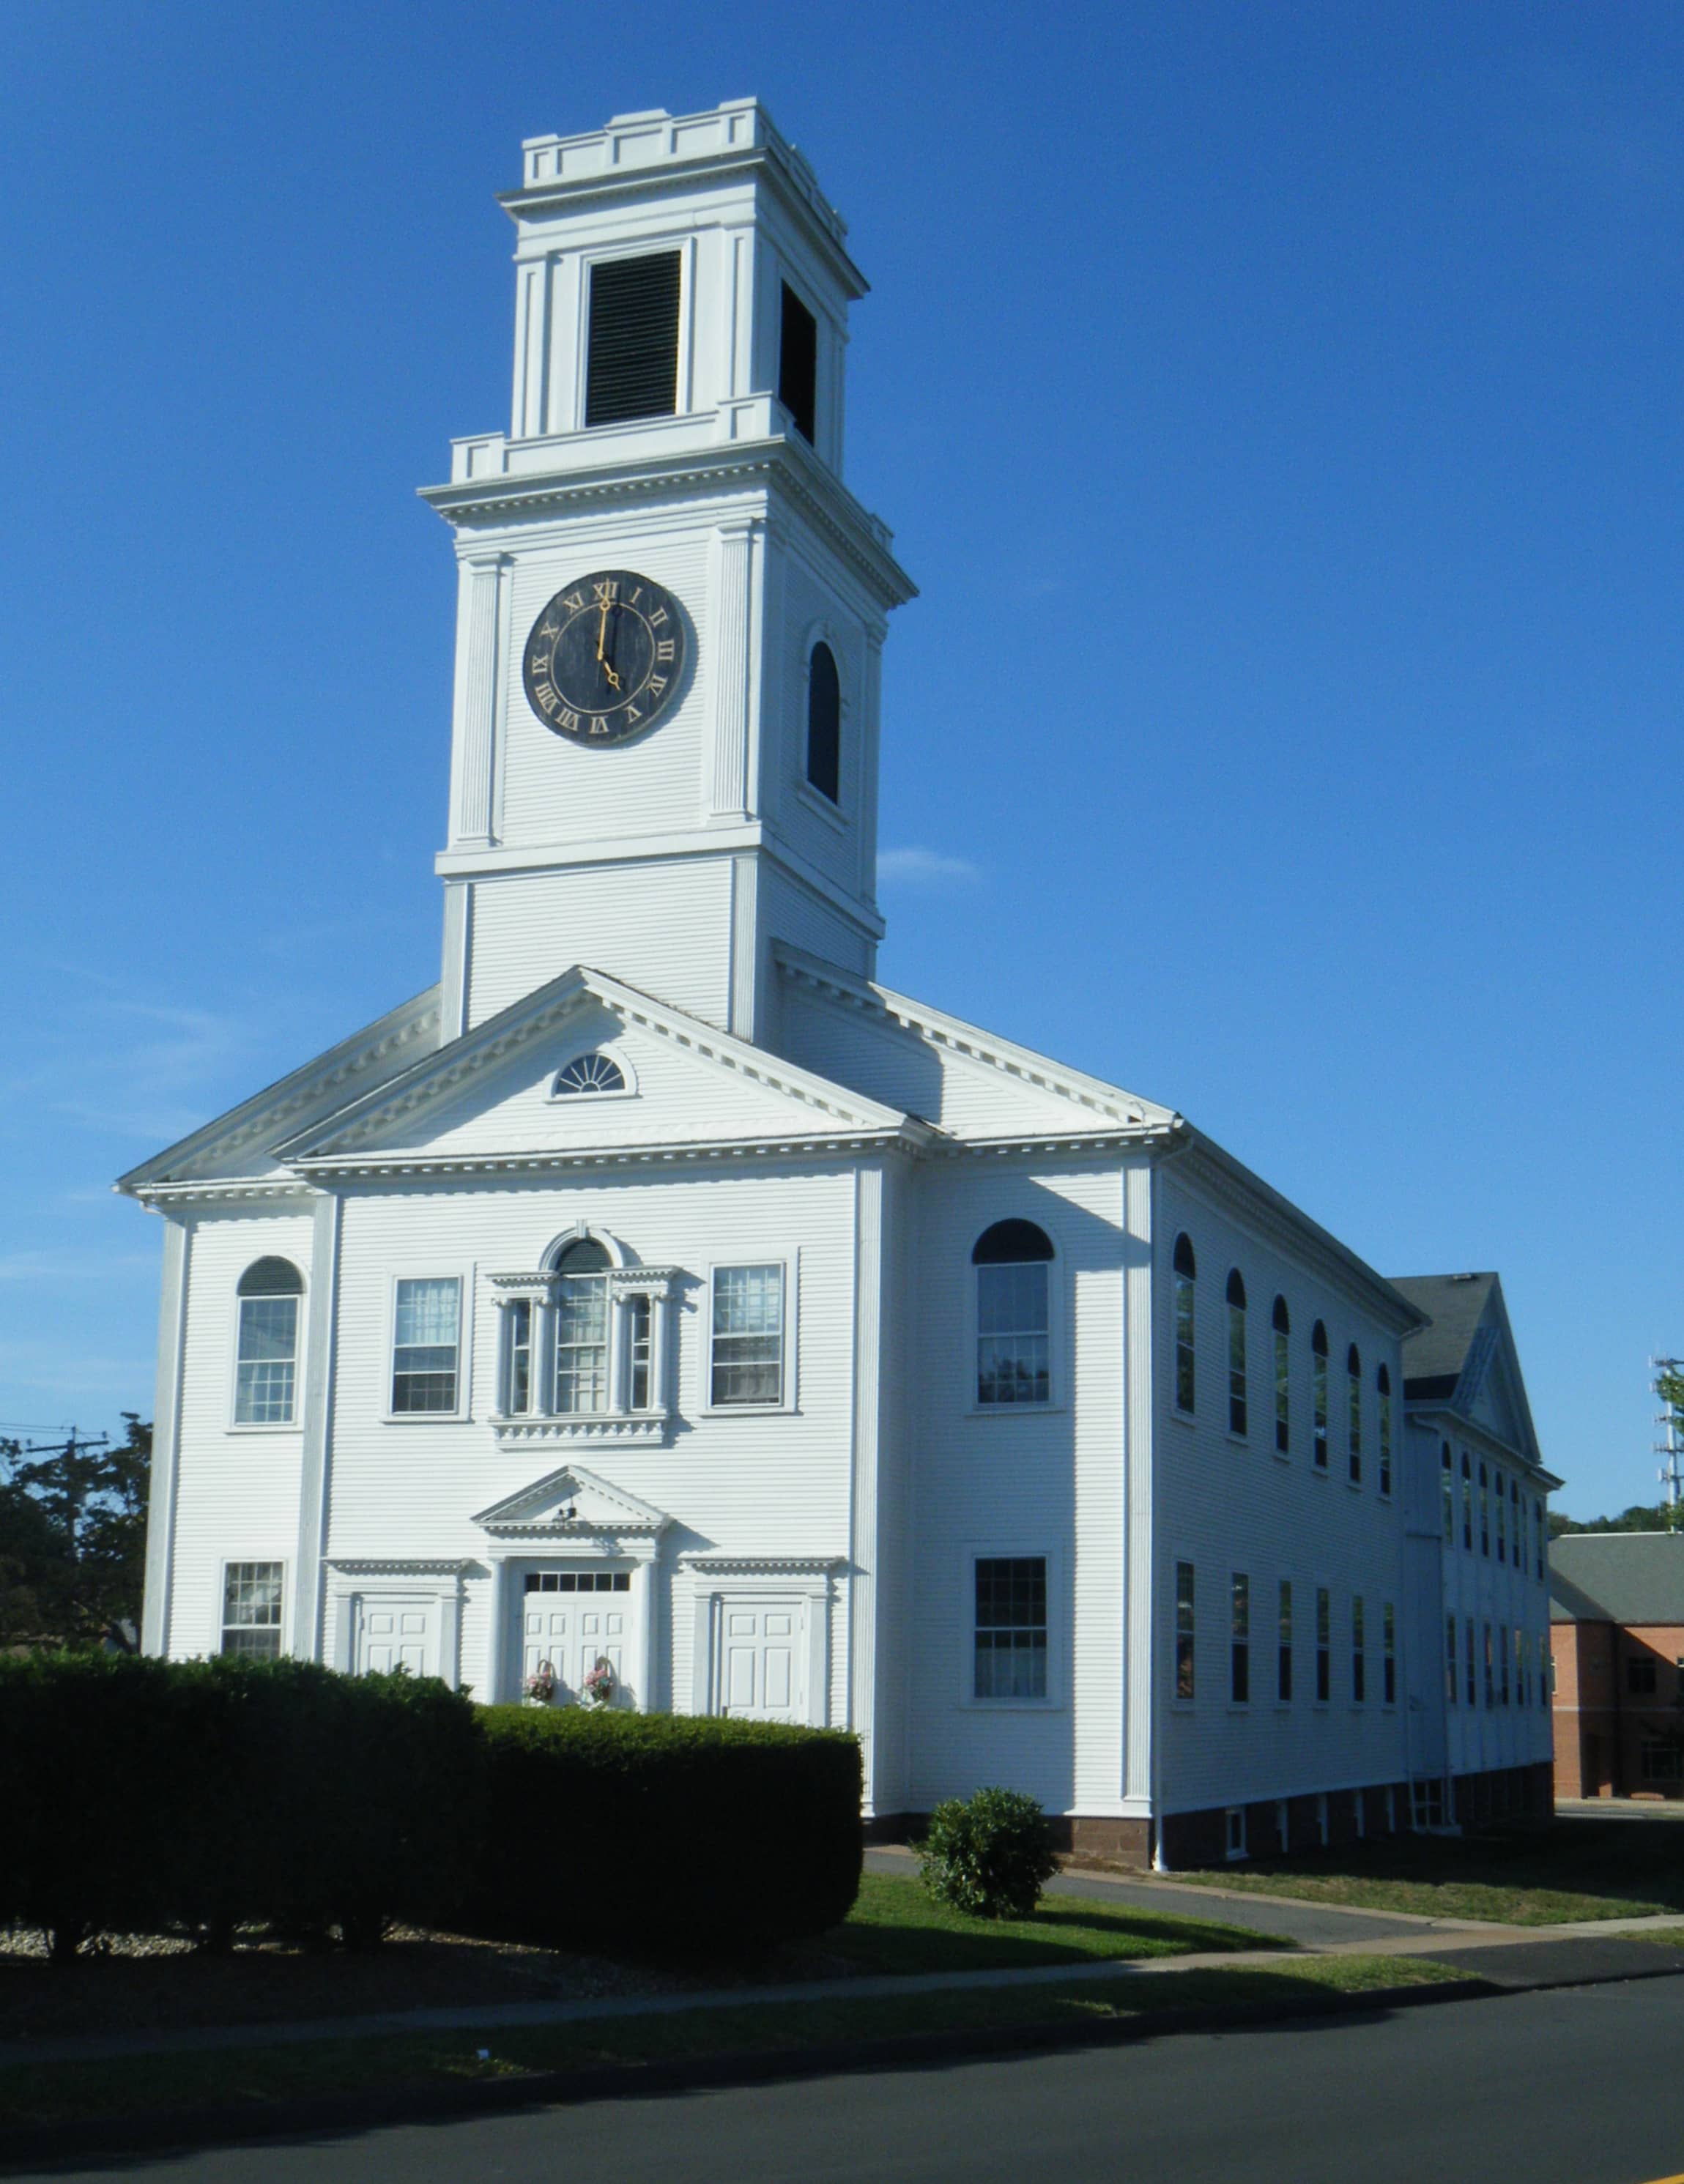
[1313, 369]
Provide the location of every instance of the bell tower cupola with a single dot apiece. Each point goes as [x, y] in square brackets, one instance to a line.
[671, 610]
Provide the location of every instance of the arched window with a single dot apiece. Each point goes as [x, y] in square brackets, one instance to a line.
[1236, 1352]
[1383, 1389]
[266, 1357]
[1467, 1510]
[824, 723]
[582, 1326]
[1485, 1512]
[1013, 1307]
[1502, 1521]
[588, 1073]
[1318, 1394]
[1283, 1376]
[1446, 1481]
[1353, 1381]
[1184, 1295]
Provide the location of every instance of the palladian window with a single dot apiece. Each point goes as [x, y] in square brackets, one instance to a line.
[1014, 1338]
[583, 1338]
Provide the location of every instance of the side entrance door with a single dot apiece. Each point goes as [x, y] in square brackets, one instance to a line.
[394, 1633]
[760, 1653]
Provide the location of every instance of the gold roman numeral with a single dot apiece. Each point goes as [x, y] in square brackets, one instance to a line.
[657, 617]
[574, 602]
[666, 649]
[546, 697]
[598, 728]
[657, 683]
[632, 712]
[608, 590]
[569, 720]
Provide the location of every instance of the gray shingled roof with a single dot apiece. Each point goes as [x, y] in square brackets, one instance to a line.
[1434, 1355]
[1617, 1577]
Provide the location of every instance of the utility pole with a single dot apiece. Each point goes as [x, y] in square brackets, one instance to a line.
[75, 1443]
[1671, 1473]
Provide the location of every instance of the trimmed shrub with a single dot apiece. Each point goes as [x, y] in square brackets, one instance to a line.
[665, 1831]
[988, 1855]
[142, 1794]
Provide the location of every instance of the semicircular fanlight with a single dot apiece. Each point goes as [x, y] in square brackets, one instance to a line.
[589, 1073]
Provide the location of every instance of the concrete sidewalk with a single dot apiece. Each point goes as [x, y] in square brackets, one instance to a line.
[1508, 1956]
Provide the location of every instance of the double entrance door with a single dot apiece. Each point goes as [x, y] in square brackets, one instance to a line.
[571, 1619]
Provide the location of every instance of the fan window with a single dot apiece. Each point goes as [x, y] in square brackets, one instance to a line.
[588, 1073]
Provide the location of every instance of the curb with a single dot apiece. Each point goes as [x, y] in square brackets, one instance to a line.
[182, 2130]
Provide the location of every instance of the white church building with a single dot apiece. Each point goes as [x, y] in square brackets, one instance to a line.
[658, 1288]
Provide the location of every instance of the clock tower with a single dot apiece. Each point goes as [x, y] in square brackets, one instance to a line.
[671, 608]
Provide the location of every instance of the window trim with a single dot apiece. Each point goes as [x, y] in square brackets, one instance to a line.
[464, 1278]
[682, 399]
[236, 1424]
[1015, 1550]
[1056, 1379]
[220, 1605]
[789, 1403]
[816, 792]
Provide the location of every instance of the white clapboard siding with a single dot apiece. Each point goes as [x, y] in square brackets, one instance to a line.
[657, 927]
[1228, 1505]
[236, 1493]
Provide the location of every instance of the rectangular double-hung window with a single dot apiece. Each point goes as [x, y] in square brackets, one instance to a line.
[1010, 1627]
[266, 1358]
[1323, 1644]
[1359, 1651]
[1186, 1631]
[251, 1610]
[746, 1365]
[1284, 1665]
[1240, 1685]
[426, 1345]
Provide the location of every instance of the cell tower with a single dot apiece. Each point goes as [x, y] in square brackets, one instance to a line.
[1671, 1473]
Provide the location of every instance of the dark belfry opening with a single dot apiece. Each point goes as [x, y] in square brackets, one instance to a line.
[824, 724]
[631, 366]
[797, 364]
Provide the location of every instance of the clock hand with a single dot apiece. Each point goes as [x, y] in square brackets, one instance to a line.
[602, 630]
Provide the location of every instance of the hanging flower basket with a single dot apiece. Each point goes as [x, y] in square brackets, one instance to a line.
[541, 1684]
[599, 1684]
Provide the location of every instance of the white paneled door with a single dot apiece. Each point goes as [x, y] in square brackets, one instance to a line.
[761, 1658]
[573, 1631]
[397, 1634]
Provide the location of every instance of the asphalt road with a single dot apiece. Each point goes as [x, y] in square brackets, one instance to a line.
[1577, 2086]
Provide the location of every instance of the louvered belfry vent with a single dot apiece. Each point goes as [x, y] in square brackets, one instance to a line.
[798, 364]
[632, 370]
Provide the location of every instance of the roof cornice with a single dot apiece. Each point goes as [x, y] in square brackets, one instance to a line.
[731, 466]
[1216, 1175]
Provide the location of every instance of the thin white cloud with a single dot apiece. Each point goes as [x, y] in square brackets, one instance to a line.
[917, 867]
[78, 1266]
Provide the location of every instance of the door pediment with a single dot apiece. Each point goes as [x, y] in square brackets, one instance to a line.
[571, 1503]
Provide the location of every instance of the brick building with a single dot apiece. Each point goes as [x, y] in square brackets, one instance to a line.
[1617, 1642]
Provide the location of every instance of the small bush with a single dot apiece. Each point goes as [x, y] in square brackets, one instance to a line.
[988, 1857]
[665, 1831]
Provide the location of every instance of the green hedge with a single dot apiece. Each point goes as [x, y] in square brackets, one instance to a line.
[141, 1795]
[665, 1830]
[145, 1794]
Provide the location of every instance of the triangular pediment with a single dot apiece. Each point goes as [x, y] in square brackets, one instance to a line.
[493, 1095]
[572, 1503]
[968, 1082]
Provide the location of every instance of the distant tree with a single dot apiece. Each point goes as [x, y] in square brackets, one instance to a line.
[1639, 1517]
[73, 1540]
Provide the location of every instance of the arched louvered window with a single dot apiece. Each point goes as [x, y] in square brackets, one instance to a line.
[1383, 1390]
[1353, 1381]
[1283, 1376]
[582, 1326]
[588, 1073]
[1236, 1352]
[1318, 1394]
[1014, 1304]
[266, 1360]
[824, 723]
[1184, 1296]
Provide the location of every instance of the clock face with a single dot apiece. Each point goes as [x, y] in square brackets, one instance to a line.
[605, 658]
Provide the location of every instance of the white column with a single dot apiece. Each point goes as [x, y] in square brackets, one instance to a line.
[166, 1433]
[1139, 1782]
[318, 1434]
[477, 695]
[643, 1586]
[733, 554]
[496, 1634]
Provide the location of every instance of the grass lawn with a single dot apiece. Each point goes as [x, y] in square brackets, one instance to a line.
[896, 1926]
[1575, 1868]
[50, 2092]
